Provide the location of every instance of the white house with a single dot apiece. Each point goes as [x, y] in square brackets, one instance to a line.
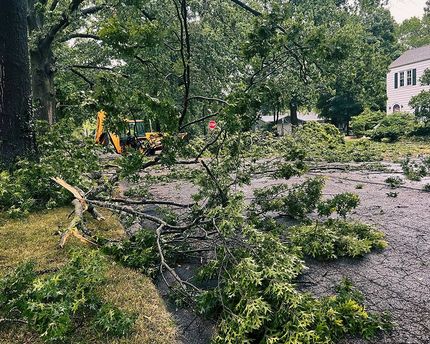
[403, 78]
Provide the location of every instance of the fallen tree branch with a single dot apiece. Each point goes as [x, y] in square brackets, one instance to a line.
[197, 121]
[144, 201]
[164, 264]
[21, 321]
[132, 211]
[80, 206]
[73, 228]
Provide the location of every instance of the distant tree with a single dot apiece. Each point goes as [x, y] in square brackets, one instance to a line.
[359, 82]
[414, 32]
[15, 91]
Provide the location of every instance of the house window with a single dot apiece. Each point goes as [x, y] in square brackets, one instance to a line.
[396, 80]
[409, 77]
[414, 76]
[402, 79]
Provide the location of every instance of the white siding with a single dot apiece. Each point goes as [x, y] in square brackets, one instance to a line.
[402, 95]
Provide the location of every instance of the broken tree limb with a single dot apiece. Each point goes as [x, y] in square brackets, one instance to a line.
[73, 228]
[129, 210]
[144, 202]
[80, 206]
[163, 264]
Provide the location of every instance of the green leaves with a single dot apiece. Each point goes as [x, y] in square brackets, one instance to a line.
[297, 201]
[342, 204]
[334, 238]
[64, 152]
[363, 123]
[55, 305]
[139, 252]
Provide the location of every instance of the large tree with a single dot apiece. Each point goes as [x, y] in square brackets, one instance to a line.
[53, 22]
[15, 90]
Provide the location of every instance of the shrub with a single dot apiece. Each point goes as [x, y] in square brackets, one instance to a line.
[56, 306]
[394, 126]
[362, 124]
[63, 154]
[314, 136]
[324, 142]
[334, 238]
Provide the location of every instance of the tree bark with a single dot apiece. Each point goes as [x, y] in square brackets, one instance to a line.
[16, 137]
[42, 70]
[293, 114]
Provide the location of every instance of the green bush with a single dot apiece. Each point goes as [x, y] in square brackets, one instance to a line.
[324, 142]
[362, 124]
[394, 126]
[62, 153]
[334, 238]
[57, 305]
[319, 136]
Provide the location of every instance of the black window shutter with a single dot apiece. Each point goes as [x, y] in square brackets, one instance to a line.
[396, 80]
[414, 76]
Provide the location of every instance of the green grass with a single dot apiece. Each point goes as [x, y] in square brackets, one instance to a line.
[36, 238]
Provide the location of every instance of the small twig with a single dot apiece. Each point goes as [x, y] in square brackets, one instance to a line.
[21, 321]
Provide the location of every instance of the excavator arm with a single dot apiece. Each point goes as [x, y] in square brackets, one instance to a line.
[103, 137]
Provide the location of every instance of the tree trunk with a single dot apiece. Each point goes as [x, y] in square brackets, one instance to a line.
[16, 137]
[42, 70]
[293, 114]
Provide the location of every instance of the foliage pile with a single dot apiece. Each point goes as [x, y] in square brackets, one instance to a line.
[63, 153]
[324, 142]
[138, 252]
[256, 296]
[57, 305]
[297, 201]
[394, 182]
[334, 238]
[415, 169]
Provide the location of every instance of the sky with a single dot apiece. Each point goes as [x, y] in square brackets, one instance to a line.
[404, 9]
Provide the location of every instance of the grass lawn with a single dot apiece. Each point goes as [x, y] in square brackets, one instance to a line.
[35, 238]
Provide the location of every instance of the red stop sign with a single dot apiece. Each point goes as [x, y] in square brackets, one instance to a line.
[212, 124]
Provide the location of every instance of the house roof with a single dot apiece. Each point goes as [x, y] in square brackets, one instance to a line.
[412, 56]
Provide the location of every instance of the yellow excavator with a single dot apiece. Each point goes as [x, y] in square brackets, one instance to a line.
[134, 136]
